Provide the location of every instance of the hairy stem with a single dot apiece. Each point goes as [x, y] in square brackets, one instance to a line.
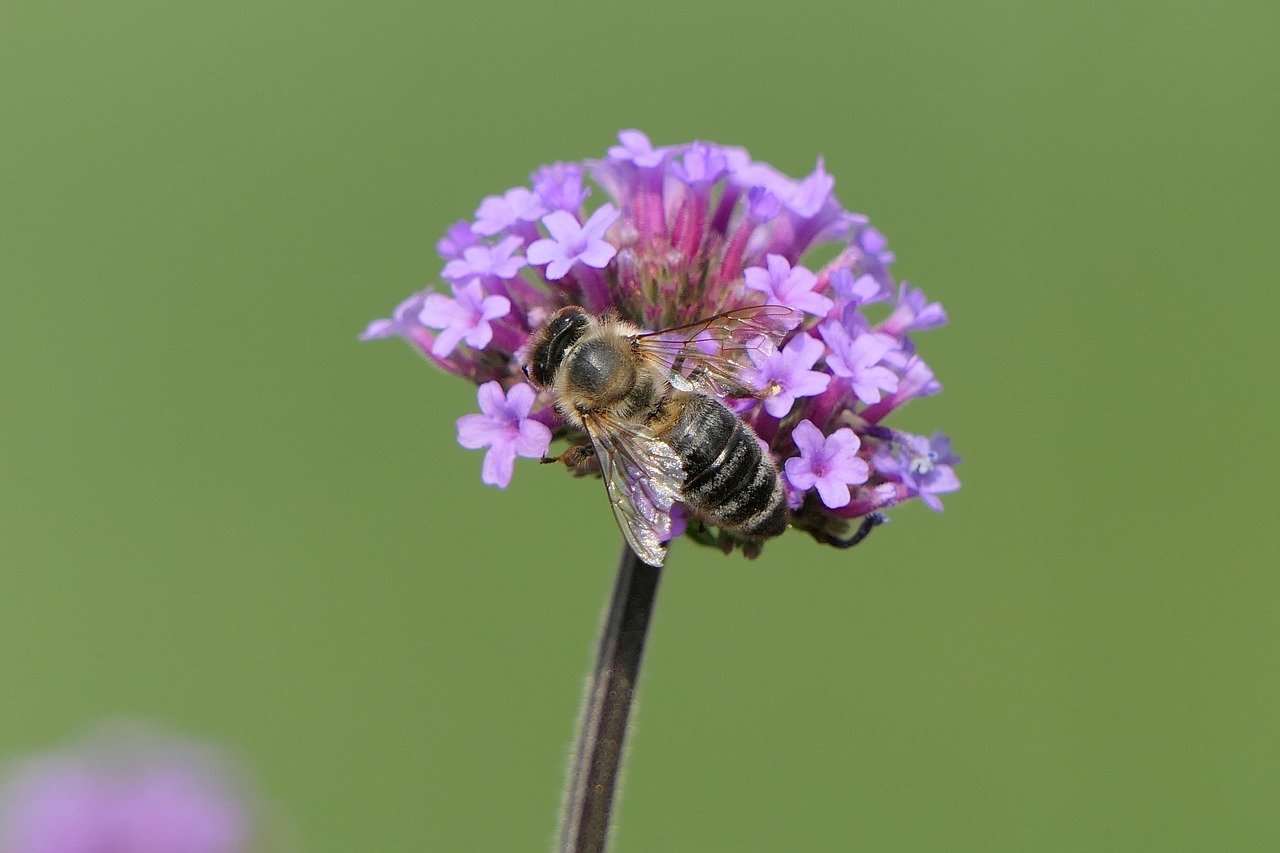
[597, 762]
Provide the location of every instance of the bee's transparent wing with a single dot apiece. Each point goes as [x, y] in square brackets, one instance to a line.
[643, 477]
[712, 354]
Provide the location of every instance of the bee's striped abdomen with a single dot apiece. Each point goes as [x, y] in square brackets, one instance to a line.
[729, 481]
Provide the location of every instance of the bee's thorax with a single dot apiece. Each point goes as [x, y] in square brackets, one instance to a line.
[599, 368]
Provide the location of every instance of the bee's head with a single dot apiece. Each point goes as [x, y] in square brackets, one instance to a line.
[548, 344]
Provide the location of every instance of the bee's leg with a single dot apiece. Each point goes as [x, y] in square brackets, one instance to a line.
[571, 455]
[580, 459]
[698, 532]
[870, 522]
[725, 541]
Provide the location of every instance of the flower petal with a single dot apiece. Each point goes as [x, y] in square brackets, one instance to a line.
[558, 268]
[476, 431]
[534, 439]
[494, 307]
[808, 438]
[598, 254]
[447, 341]
[799, 474]
[479, 336]
[600, 221]
[562, 226]
[520, 400]
[499, 464]
[543, 252]
[492, 401]
[833, 492]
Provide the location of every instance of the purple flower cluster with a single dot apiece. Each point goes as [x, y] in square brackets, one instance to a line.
[684, 232]
[124, 793]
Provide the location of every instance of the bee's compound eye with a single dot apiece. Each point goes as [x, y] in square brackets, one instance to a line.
[560, 333]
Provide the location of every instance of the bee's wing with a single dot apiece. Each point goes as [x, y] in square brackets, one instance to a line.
[711, 354]
[643, 476]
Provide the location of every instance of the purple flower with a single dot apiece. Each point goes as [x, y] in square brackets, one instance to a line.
[701, 164]
[483, 261]
[636, 148]
[499, 212]
[458, 238]
[464, 318]
[131, 794]
[828, 463]
[571, 243]
[912, 313]
[923, 465]
[875, 244]
[506, 429]
[939, 449]
[858, 360]
[748, 173]
[851, 291]
[873, 249]
[790, 373]
[681, 233]
[809, 196]
[560, 186]
[403, 322]
[786, 285]
[915, 377]
[762, 205]
[806, 198]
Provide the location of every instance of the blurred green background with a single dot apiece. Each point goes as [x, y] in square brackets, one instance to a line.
[220, 511]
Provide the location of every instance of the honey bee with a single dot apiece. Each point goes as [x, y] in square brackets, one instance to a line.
[650, 404]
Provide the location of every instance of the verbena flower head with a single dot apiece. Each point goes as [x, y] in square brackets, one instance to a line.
[676, 234]
[124, 792]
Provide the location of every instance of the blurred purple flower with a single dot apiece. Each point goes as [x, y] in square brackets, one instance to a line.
[498, 213]
[125, 792]
[923, 465]
[912, 313]
[875, 244]
[810, 195]
[851, 291]
[456, 240]
[402, 323]
[701, 164]
[560, 186]
[762, 205]
[636, 148]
